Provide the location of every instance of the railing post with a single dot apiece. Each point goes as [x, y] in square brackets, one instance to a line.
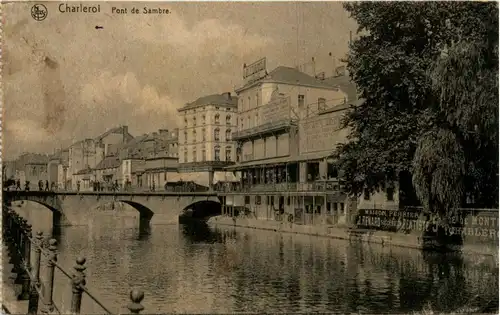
[26, 252]
[48, 286]
[34, 296]
[136, 297]
[15, 252]
[78, 282]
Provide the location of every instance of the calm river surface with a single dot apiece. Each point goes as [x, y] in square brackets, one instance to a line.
[229, 270]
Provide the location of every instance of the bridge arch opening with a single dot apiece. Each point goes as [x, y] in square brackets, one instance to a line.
[38, 220]
[145, 215]
[203, 209]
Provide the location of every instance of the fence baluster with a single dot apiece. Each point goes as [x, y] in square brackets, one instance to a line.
[34, 297]
[48, 287]
[78, 282]
[26, 254]
[136, 296]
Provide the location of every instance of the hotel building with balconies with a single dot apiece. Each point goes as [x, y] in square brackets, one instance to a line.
[289, 124]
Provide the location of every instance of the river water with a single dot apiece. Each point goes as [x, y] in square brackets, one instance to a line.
[225, 270]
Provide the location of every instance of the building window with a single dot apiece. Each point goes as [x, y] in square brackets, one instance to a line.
[217, 153]
[249, 105]
[258, 200]
[228, 120]
[185, 122]
[321, 104]
[238, 154]
[165, 176]
[217, 118]
[185, 137]
[248, 122]
[194, 155]
[256, 100]
[185, 157]
[342, 208]
[194, 121]
[228, 135]
[216, 134]
[301, 100]
[203, 135]
[194, 135]
[247, 200]
[203, 155]
[228, 154]
[390, 193]
[366, 194]
[203, 119]
[256, 123]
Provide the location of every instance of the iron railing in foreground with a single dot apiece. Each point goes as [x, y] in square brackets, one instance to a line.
[18, 236]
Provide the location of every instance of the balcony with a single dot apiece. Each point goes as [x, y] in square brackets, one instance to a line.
[316, 186]
[264, 129]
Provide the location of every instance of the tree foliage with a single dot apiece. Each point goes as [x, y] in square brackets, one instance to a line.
[428, 74]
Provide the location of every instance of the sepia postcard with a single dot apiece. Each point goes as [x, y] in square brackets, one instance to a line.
[249, 157]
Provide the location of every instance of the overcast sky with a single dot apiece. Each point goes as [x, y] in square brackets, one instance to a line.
[65, 81]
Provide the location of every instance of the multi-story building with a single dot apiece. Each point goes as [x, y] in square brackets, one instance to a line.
[205, 138]
[88, 153]
[33, 167]
[289, 124]
[149, 161]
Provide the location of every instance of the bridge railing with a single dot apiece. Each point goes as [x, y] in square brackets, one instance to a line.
[18, 236]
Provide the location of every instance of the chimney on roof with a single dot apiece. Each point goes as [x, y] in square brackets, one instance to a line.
[320, 76]
[227, 96]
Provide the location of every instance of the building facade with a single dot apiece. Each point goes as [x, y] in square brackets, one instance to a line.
[206, 145]
[89, 153]
[289, 124]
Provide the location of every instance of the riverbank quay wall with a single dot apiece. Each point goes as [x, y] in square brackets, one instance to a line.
[77, 208]
[475, 231]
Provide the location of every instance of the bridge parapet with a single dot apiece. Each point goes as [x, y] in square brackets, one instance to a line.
[74, 208]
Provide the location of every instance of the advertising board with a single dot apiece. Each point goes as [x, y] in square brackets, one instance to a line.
[319, 133]
[276, 110]
[255, 71]
[481, 225]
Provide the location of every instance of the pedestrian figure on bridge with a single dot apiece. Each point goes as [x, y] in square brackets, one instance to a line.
[46, 185]
[18, 184]
[53, 186]
[153, 188]
[78, 186]
[27, 185]
[40, 185]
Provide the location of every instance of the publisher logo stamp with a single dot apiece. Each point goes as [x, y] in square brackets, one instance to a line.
[39, 12]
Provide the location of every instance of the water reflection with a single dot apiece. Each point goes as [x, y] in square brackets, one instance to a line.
[196, 269]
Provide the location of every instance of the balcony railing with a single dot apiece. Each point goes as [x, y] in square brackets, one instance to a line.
[285, 123]
[316, 186]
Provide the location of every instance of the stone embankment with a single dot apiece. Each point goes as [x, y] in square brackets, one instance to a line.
[354, 235]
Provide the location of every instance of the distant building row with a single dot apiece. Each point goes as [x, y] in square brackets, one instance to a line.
[115, 157]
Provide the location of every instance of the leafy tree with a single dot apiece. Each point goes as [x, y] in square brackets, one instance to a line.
[429, 79]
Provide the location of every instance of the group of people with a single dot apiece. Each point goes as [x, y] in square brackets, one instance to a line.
[42, 186]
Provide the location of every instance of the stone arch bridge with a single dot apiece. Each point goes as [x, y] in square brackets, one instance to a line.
[73, 208]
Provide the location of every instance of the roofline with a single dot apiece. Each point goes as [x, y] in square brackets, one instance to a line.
[237, 91]
[185, 108]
